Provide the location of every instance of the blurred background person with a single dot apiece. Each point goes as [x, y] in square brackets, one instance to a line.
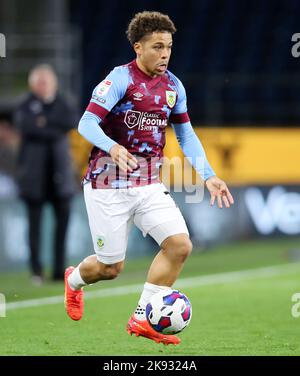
[45, 171]
[9, 145]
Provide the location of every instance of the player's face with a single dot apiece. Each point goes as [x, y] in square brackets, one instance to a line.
[153, 53]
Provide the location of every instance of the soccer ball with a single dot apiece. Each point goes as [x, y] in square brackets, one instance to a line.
[169, 311]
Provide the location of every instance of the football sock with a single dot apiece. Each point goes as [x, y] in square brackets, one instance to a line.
[75, 281]
[149, 290]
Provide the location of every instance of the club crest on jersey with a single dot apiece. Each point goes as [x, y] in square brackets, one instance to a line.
[171, 98]
[103, 88]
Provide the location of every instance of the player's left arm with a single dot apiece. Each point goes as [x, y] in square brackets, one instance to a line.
[194, 151]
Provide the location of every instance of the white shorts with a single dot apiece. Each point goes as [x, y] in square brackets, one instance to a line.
[111, 213]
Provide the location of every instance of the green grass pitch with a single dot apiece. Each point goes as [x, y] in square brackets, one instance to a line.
[243, 316]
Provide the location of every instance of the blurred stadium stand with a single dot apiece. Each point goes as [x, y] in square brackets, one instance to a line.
[37, 32]
[234, 57]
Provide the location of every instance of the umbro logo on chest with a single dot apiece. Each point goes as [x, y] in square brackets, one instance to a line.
[138, 96]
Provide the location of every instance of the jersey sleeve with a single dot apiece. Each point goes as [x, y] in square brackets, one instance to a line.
[179, 113]
[193, 149]
[108, 92]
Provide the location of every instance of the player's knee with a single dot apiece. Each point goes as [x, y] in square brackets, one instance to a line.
[112, 271]
[184, 248]
[178, 246]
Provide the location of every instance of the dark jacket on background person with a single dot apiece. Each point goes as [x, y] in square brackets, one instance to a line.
[45, 168]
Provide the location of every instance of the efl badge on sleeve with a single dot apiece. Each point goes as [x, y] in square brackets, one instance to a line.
[103, 88]
[171, 98]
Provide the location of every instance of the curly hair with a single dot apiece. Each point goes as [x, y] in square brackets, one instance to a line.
[146, 22]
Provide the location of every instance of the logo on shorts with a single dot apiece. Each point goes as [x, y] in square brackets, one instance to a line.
[100, 241]
[171, 98]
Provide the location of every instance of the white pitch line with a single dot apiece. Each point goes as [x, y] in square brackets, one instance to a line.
[211, 279]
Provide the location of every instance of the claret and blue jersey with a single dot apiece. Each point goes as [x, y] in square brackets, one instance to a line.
[133, 110]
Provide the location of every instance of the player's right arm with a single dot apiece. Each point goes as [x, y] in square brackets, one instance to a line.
[105, 96]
